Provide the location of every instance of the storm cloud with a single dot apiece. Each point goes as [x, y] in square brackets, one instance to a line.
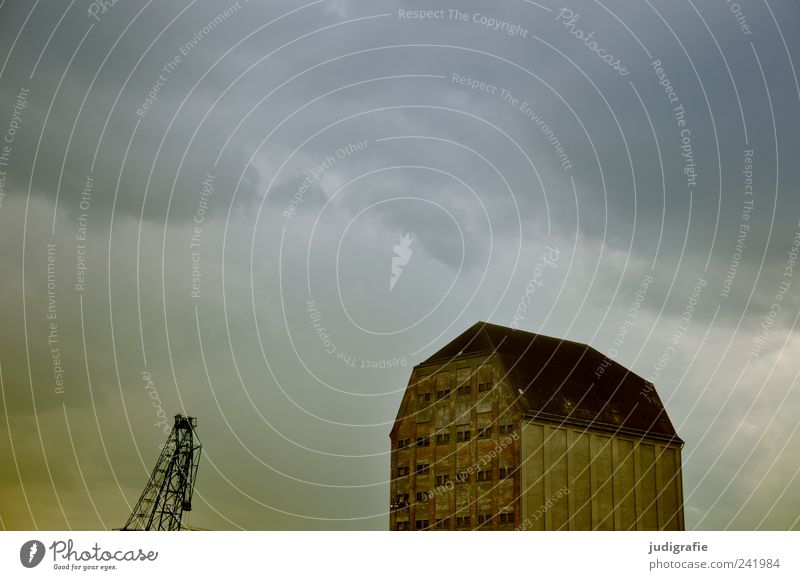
[190, 191]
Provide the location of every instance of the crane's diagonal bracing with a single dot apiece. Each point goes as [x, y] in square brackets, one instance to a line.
[168, 492]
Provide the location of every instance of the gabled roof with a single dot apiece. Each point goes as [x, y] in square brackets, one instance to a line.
[559, 382]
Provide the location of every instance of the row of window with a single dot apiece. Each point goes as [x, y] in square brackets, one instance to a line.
[463, 477]
[463, 434]
[504, 518]
[461, 391]
[440, 524]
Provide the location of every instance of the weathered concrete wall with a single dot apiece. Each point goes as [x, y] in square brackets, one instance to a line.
[577, 480]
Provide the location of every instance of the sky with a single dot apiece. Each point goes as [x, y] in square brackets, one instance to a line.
[265, 214]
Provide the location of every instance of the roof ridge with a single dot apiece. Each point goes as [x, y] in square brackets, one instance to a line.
[508, 329]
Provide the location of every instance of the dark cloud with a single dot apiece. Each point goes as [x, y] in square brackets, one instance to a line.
[554, 149]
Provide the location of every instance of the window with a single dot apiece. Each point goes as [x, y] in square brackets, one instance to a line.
[442, 479]
[423, 441]
[484, 519]
[506, 472]
[463, 477]
[463, 434]
[506, 429]
[400, 526]
[403, 443]
[443, 439]
[443, 394]
[442, 524]
[485, 475]
[506, 518]
[424, 398]
[422, 468]
[463, 521]
[401, 500]
[485, 433]
[422, 496]
[484, 387]
[464, 390]
[402, 471]
[421, 524]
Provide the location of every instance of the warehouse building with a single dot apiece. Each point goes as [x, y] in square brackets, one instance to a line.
[504, 429]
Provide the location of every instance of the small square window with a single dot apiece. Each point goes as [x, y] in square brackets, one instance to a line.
[423, 468]
[421, 524]
[463, 477]
[484, 519]
[463, 434]
[443, 438]
[422, 496]
[401, 526]
[423, 441]
[463, 521]
[484, 387]
[506, 429]
[442, 524]
[443, 394]
[506, 518]
[464, 390]
[506, 472]
[485, 433]
[402, 471]
[403, 443]
[424, 398]
[401, 500]
[442, 479]
[485, 475]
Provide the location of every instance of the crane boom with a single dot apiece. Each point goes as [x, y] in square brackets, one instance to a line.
[168, 492]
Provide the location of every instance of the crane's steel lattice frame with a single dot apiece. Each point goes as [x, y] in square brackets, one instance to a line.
[168, 492]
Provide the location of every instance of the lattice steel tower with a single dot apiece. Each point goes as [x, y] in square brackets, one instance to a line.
[168, 493]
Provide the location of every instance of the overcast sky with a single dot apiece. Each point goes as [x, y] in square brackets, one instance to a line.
[209, 182]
